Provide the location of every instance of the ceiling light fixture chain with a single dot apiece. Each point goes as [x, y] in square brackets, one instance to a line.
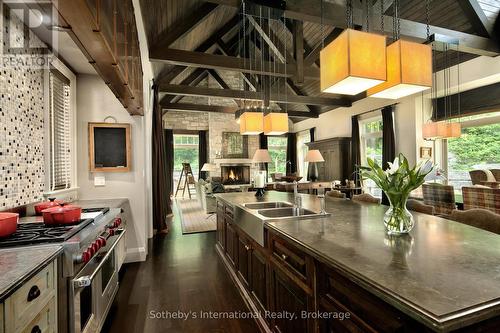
[382, 16]
[349, 14]
[427, 19]
[367, 9]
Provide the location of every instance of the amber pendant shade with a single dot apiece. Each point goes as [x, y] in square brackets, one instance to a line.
[353, 62]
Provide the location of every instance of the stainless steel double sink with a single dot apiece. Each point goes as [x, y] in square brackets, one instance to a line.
[251, 216]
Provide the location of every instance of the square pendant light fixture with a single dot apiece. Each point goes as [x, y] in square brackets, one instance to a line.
[354, 62]
[251, 123]
[275, 123]
[409, 70]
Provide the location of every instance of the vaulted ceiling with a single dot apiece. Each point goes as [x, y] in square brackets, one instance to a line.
[194, 47]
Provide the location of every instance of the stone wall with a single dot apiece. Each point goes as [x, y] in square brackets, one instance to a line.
[215, 123]
[181, 120]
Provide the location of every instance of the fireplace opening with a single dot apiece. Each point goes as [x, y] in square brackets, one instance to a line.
[235, 174]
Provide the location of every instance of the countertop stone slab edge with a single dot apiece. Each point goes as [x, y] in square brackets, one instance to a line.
[20, 272]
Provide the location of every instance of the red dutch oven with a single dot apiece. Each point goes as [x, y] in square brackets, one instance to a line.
[8, 223]
[41, 206]
[62, 215]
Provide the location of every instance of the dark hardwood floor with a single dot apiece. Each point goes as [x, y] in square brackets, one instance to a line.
[182, 273]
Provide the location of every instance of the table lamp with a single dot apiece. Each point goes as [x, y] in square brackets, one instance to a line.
[261, 156]
[313, 156]
[209, 167]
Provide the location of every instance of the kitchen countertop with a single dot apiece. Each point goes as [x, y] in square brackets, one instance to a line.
[19, 264]
[111, 203]
[444, 274]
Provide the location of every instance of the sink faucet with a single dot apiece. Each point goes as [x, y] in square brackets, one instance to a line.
[297, 198]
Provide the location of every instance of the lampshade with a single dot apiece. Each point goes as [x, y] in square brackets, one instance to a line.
[209, 167]
[454, 130]
[261, 156]
[409, 70]
[314, 156]
[275, 123]
[435, 130]
[251, 123]
[353, 62]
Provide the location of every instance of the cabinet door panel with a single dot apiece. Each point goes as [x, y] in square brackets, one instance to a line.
[243, 259]
[221, 237]
[231, 243]
[259, 278]
[289, 298]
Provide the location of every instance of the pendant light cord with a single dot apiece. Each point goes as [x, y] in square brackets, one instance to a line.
[367, 8]
[382, 16]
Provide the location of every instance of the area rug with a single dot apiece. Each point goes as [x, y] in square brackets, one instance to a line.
[193, 218]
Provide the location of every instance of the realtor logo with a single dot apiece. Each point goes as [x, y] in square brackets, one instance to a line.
[27, 37]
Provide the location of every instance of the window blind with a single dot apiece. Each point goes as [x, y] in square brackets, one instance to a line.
[59, 134]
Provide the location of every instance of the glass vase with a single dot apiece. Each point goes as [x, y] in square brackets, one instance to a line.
[397, 219]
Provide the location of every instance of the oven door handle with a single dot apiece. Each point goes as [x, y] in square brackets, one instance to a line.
[86, 280]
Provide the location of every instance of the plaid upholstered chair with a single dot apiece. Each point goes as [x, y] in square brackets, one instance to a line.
[478, 176]
[481, 197]
[441, 197]
[479, 218]
[419, 206]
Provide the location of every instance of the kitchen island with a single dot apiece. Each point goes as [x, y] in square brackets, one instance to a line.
[444, 276]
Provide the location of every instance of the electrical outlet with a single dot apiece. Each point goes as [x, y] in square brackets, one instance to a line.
[99, 181]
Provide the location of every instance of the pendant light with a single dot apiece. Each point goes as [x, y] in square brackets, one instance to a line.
[354, 61]
[251, 116]
[409, 66]
[276, 121]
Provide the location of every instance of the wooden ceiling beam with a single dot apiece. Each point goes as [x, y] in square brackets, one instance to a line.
[205, 60]
[221, 109]
[387, 4]
[220, 81]
[476, 16]
[211, 41]
[334, 14]
[196, 76]
[185, 26]
[185, 90]
[313, 56]
[298, 51]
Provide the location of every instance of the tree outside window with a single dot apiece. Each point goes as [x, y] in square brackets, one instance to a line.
[277, 150]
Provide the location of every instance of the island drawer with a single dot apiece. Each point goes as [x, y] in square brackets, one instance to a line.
[45, 321]
[29, 300]
[291, 259]
[367, 310]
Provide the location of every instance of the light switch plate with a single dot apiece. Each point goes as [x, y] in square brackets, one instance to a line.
[99, 181]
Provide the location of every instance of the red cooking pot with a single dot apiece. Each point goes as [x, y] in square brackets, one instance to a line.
[8, 223]
[41, 206]
[62, 215]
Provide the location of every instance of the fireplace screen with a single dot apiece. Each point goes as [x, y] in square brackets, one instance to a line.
[235, 174]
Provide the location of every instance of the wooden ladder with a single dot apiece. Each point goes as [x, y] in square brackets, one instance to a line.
[187, 172]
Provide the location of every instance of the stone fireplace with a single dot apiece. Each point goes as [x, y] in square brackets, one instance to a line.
[235, 174]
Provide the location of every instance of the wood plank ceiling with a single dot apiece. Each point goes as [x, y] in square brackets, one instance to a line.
[214, 27]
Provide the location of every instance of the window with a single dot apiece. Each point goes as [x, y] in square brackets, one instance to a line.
[302, 149]
[276, 146]
[185, 151]
[60, 172]
[477, 148]
[371, 146]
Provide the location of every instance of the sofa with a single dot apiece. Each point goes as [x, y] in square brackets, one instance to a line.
[205, 196]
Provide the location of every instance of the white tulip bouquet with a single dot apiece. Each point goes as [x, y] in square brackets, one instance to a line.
[397, 182]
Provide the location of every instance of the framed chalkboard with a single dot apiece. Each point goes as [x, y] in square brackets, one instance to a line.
[109, 147]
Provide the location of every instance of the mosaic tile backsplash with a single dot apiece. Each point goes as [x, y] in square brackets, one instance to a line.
[22, 175]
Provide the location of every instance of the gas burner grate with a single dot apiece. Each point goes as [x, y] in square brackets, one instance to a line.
[36, 233]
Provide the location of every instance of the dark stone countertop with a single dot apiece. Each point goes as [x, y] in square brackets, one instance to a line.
[444, 274]
[17, 265]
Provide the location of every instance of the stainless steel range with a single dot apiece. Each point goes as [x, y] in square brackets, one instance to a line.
[93, 252]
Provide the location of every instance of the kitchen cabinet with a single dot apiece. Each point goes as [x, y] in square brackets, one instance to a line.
[259, 278]
[221, 226]
[336, 152]
[33, 307]
[231, 242]
[244, 257]
[286, 296]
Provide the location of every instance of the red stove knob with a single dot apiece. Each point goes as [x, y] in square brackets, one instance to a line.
[111, 231]
[101, 241]
[96, 246]
[117, 223]
[86, 255]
